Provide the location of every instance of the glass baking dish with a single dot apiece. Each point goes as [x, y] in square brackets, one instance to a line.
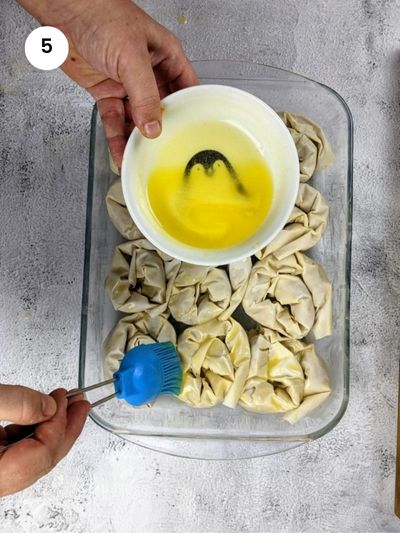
[222, 433]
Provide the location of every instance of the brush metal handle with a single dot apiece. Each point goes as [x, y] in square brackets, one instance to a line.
[75, 392]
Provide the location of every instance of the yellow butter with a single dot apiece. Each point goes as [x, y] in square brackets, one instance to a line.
[208, 209]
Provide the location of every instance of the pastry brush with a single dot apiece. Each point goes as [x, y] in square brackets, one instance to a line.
[145, 373]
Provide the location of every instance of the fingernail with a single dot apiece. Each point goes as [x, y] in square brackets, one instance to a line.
[49, 406]
[152, 129]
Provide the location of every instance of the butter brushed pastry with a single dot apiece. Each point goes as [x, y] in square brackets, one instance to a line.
[216, 358]
[285, 376]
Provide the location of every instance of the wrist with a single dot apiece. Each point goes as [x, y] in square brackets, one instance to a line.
[53, 13]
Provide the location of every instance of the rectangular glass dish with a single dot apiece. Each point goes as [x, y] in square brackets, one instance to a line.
[219, 432]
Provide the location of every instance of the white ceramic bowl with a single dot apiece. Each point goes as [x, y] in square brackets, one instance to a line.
[214, 103]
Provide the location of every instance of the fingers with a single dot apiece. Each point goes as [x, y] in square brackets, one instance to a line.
[25, 406]
[28, 460]
[109, 95]
[186, 78]
[180, 71]
[107, 89]
[51, 433]
[3, 436]
[171, 63]
[137, 76]
[112, 113]
[128, 111]
[59, 434]
[22, 465]
[76, 397]
[14, 432]
[164, 90]
[77, 415]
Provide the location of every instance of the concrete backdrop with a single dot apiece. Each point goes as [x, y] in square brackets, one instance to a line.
[343, 482]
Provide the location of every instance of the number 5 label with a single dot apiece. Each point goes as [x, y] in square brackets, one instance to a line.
[46, 48]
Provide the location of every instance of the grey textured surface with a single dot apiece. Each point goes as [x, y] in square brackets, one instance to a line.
[343, 482]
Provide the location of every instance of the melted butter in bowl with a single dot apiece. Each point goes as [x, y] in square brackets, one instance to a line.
[219, 182]
[206, 207]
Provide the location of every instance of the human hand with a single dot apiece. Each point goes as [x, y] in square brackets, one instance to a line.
[60, 423]
[118, 51]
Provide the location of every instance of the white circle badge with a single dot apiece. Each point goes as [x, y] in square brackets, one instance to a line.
[46, 48]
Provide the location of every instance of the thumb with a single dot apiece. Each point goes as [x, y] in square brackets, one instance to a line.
[140, 84]
[25, 406]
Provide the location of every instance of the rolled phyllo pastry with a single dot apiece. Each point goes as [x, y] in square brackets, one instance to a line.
[239, 274]
[137, 279]
[119, 214]
[285, 376]
[305, 225]
[199, 293]
[312, 146]
[291, 296]
[215, 357]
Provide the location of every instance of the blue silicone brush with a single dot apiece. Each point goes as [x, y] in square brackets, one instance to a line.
[148, 371]
[145, 373]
